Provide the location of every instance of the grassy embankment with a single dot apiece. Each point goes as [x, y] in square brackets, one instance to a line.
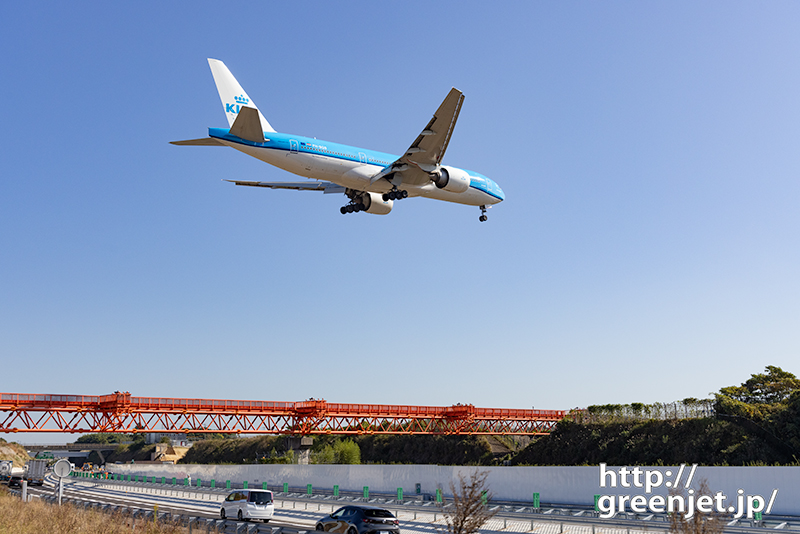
[37, 517]
[14, 452]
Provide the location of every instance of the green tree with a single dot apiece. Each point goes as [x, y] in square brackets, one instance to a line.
[346, 452]
[323, 456]
[103, 438]
[274, 458]
[786, 423]
[774, 386]
[199, 436]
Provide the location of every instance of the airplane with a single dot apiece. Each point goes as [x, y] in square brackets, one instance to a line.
[372, 181]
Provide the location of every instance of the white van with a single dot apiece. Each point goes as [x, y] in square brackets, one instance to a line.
[248, 504]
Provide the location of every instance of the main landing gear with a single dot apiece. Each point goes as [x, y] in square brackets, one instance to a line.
[483, 217]
[395, 194]
[359, 201]
[353, 207]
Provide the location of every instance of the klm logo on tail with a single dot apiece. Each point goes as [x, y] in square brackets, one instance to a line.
[240, 101]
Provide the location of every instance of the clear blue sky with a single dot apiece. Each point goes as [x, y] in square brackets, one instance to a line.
[647, 250]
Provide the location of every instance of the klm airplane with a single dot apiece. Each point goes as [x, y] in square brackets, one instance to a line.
[371, 180]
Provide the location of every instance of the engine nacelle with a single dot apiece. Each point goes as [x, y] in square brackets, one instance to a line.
[450, 179]
[374, 203]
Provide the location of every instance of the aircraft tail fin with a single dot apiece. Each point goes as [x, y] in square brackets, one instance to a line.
[232, 95]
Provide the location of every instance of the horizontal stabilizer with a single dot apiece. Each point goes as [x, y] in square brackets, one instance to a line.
[325, 187]
[206, 141]
[247, 125]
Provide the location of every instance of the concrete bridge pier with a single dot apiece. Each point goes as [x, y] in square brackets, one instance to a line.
[301, 446]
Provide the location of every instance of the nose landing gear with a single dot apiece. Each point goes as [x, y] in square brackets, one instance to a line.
[483, 217]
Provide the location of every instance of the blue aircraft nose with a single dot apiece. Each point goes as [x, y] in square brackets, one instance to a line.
[496, 191]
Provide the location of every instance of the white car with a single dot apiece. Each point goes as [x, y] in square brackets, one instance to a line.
[248, 504]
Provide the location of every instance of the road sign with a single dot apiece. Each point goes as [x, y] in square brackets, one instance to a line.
[62, 468]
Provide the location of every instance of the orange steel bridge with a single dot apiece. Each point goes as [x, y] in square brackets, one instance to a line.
[120, 412]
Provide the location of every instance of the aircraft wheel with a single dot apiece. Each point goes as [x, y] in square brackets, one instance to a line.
[483, 218]
[343, 210]
[385, 197]
[405, 194]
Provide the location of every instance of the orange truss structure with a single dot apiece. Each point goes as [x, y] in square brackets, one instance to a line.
[120, 412]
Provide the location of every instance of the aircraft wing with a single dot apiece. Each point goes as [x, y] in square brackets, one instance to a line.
[325, 187]
[427, 150]
[431, 144]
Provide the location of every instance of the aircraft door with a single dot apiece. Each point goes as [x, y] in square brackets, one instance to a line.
[362, 157]
[294, 146]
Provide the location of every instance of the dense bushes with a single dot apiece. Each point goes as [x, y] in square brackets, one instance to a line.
[445, 450]
[757, 422]
[448, 450]
[339, 452]
[262, 449]
[703, 441]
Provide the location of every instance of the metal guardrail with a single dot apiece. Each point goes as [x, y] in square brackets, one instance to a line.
[277, 489]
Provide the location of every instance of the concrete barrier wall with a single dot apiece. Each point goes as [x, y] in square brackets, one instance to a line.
[557, 485]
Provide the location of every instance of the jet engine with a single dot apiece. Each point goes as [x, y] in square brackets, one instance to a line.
[374, 203]
[450, 179]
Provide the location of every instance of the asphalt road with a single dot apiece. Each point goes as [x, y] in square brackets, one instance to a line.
[301, 513]
[191, 503]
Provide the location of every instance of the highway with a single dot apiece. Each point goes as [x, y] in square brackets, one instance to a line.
[297, 512]
[194, 503]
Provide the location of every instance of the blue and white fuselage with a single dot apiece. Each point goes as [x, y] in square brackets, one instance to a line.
[348, 166]
[372, 180]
